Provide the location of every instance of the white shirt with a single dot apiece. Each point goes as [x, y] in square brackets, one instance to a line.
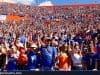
[77, 59]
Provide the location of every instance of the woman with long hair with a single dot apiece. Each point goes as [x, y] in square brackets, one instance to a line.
[76, 57]
[64, 61]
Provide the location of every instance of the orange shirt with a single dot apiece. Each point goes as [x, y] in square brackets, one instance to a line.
[22, 60]
[63, 61]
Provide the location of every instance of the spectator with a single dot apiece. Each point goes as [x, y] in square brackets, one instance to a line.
[64, 60]
[48, 29]
[76, 59]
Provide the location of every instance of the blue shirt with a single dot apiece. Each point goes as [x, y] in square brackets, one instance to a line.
[9, 39]
[47, 56]
[89, 61]
[22, 39]
[32, 59]
[98, 48]
[12, 64]
[79, 40]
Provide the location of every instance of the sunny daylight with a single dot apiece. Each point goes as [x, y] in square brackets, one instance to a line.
[49, 35]
[51, 2]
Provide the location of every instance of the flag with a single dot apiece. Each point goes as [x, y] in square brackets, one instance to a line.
[2, 17]
[12, 18]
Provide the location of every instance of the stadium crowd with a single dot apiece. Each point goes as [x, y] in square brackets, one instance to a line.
[59, 38]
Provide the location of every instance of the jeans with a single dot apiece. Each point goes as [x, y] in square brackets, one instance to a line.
[77, 68]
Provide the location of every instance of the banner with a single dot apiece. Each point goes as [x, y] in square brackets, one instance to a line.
[2, 17]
